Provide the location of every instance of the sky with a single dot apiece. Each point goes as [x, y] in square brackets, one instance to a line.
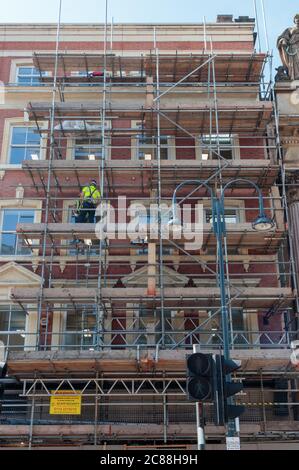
[279, 13]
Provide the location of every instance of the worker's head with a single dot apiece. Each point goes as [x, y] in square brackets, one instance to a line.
[296, 19]
[93, 183]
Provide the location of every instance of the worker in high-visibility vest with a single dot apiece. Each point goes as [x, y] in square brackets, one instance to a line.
[89, 199]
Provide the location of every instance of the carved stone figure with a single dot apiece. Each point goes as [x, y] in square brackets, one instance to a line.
[282, 74]
[288, 46]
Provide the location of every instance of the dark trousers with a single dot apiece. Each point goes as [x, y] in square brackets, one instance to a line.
[86, 213]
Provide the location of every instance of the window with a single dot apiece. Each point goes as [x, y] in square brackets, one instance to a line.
[10, 242]
[81, 328]
[88, 149]
[147, 221]
[25, 145]
[237, 324]
[232, 215]
[150, 323]
[29, 76]
[151, 216]
[210, 146]
[12, 326]
[147, 148]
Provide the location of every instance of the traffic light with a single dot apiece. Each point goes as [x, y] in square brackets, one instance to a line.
[3, 371]
[225, 389]
[208, 380]
[200, 377]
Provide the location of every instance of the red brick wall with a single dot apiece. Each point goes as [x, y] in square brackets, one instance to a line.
[254, 150]
[127, 46]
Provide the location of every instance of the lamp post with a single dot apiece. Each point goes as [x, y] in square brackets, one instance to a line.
[261, 223]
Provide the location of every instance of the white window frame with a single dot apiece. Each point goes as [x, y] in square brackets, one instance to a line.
[146, 204]
[23, 146]
[14, 255]
[24, 62]
[171, 146]
[237, 205]
[25, 204]
[200, 151]
[10, 307]
[30, 76]
[87, 146]
[80, 334]
[71, 143]
[9, 124]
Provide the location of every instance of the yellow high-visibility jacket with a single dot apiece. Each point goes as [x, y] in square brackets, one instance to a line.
[91, 193]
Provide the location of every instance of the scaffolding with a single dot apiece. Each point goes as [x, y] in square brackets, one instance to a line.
[126, 347]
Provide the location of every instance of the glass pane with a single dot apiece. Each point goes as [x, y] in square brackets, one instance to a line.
[17, 155]
[24, 80]
[4, 318]
[164, 153]
[22, 248]
[35, 81]
[10, 220]
[88, 149]
[26, 217]
[26, 70]
[16, 341]
[33, 137]
[31, 153]
[227, 153]
[238, 319]
[8, 243]
[231, 216]
[18, 320]
[223, 139]
[19, 135]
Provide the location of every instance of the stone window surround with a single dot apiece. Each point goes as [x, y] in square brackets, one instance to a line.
[235, 149]
[134, 145]
[9, 124]
[15, 64]
[23, 204]
[70, 145]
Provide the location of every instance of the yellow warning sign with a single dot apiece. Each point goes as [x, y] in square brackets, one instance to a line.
[65, 402]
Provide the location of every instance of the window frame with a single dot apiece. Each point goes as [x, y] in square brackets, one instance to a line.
[232, 204]
[135, 147]
[25, 146]
[2, 232]
[9, 124]
[236, 209]
[71, 143]
[146, 204]
[31, 76]
[199, 150]
[100, 149]
[34, 205]
[21, 332]
[80, 332]
[153, 318]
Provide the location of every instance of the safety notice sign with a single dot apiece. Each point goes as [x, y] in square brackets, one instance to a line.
[65, 402]
[233, 443]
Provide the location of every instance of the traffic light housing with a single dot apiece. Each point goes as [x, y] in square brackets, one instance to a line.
[208, 380]
[225, 389]
[200, 377]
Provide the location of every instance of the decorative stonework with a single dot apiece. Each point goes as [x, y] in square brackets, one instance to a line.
[288, 46]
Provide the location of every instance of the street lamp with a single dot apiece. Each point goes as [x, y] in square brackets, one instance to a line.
[261, 223]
